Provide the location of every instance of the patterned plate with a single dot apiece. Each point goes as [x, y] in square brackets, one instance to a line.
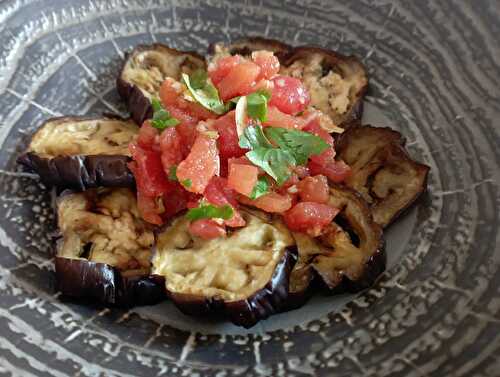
[435, 76]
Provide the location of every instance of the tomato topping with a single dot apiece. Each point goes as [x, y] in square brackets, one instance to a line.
[314, 189]
[276, 118]
[268, 63]
[228, 137]
[200, 165]
[309, 217]
[147, 135]
[171, 96]
[242, 178]
[337, 171]
[219, 193]
[289, 95]
[206, 229]
[218, 71]
[239, 81]
[148, 172]
[149, 208]
[175, 200]
[272, 202]
[171, 149]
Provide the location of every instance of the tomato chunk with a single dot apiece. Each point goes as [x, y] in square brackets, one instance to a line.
[272, 202]
[228, 137]
[171, 149]
[239, 81]
[219, 193]
[314, 189]
[148, 171]
[242, 178]
[268, 63]
[276, 118]
[289, 95]
[147, 136]
[336, 171]
[206, 229]
[149, 208]
[309, 217]
[218, 71]
[200, 165]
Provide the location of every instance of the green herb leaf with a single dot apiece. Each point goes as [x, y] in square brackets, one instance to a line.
[172, 173]
[260, 188]
[265, 93]
[187, 183]
[205, 93]
[301, 145]
[210, 211]
[253, 137]
[273, 161]
[199, 79]
[257, 106]
[161, 117]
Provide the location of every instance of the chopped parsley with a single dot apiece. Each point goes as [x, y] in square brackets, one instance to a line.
[161, 117]
[209, 211]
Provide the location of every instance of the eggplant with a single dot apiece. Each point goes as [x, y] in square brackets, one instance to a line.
[144, 70]
[337, 83]
[79, 153]
[382, 171]
[354, 255]
[243, 277]
[105, 249]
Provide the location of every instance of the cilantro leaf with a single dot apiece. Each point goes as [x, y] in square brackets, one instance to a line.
[161, 117]
[253, 137]
[210, 211]
[187, 183]
[257, 106]
[301, 145]
[273, 161]
[205, 93]
[172, 173]
[260, 188]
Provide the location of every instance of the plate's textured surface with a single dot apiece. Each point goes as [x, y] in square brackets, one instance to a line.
[435, 76]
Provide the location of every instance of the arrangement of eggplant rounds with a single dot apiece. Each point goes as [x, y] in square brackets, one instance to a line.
[80, 153]
[107, 253]
[104, 249]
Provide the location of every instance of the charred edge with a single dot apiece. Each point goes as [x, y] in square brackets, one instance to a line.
[98, 281]
[247, 312]
[137, 103]
[80, 172]
[245, 46]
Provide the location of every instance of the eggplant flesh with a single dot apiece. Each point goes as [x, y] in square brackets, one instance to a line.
[105, 249]
[382, 172]
[145, 69]
[243, 277]
[80, 153]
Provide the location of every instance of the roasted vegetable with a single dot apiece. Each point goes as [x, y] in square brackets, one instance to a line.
[105, 249]
[382, 172]
[243, 277]
[336, 83]
[80, 153]
[144, 70]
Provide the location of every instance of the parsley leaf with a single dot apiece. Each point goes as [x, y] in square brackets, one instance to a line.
[172, 173]
[187, 183]
[210, 211]
[301, 145]
[204, 92]
[253, 137]
[161, 117]
[257, 106]
[273, 161]
[260, 188]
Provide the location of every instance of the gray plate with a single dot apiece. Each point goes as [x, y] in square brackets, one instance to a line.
[434, 76]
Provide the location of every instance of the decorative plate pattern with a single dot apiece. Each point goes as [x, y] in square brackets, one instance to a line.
[435, 76]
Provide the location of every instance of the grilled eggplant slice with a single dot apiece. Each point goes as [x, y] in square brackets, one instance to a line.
[336, 83]
[243, 277]
[144, 70]
[80, 153]
[382, 172]
[105, 249]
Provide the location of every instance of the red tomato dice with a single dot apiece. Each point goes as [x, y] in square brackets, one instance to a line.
[309, 217]
[289, 95]
[239, 81]
[314, 189]
[219, 193]
[268, 63]
[148, 171]
[242, 178]
[276, 118]
[171, 149]
[207, 229]
[228, 137]
[200, 165]
[174, 201]
[272, 202]
[336, 171]
[218, 71]
[149, 208]
[147, 135]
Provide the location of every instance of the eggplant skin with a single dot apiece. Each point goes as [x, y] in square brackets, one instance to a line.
[269, 300]
[80, 278]
[80, 172]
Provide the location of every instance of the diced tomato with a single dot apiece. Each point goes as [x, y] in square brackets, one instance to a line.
[148, 171]
[289, 95]
[242, 178]
[147, 135]
[175, 201]
[301, 171]
[268, 63]
[219, 193]
[171, 148]
[228, 137]
[315, 128]
[309, 217]
[239, 81]
[200, 165]
[276, 118]
[336, 171]
[149, 208]
[218, 71]
[327, 157]
[272, 202]
[206, 229]
[314, 189]
[186, 129]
